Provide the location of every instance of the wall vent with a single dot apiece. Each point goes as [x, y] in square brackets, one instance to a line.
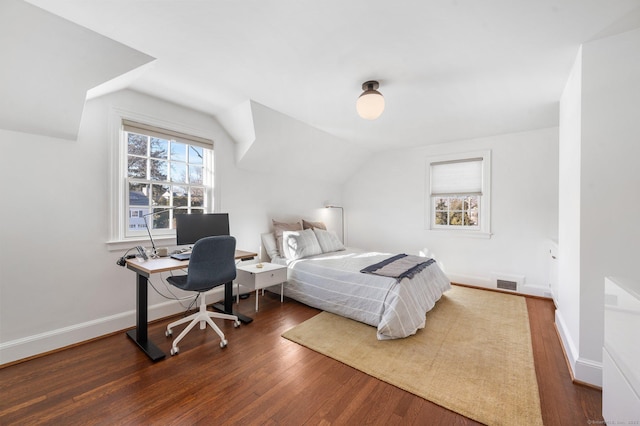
[507, 285]
[511, 282]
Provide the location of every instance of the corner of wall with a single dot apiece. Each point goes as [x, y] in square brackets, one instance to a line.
[238, 123]
[589, 372]
[582, 370]
[568, 347]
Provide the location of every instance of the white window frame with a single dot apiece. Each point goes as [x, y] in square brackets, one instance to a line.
[483, 230]
[118, 181]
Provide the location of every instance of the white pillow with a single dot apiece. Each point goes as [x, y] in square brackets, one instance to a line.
[328, 240]
[279, 228]
[299, 244]
[269, 245]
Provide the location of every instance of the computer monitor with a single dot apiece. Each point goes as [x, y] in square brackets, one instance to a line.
[192, 227]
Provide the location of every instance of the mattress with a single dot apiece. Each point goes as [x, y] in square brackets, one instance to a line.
[333, 282]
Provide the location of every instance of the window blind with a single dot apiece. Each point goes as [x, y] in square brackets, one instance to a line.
[457, 177]
[156, 132]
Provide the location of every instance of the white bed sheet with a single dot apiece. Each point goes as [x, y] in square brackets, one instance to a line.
[333, 282]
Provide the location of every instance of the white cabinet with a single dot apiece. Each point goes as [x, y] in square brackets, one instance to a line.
[262, 275]
[621, 353]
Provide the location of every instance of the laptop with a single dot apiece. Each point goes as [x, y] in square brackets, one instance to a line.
[181, 256]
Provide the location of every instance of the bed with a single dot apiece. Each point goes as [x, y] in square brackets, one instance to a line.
[324, 274]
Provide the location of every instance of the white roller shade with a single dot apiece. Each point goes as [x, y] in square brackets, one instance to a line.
[145, 129]
[457, 177]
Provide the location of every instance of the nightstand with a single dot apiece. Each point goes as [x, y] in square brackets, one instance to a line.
[259, 278]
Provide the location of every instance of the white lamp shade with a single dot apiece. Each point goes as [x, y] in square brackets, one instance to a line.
[370, 105]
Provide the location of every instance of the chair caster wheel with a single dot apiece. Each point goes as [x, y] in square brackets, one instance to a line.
[168, 332]
[223, 343]
[174, 351]
[236, 323]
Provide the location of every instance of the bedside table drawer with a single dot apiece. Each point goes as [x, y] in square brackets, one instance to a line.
[269, 278]
[257, 278]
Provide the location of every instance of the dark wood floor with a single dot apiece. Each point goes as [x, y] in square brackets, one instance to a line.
[259, 378]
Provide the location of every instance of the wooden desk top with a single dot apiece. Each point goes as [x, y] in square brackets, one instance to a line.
[165, 264]
[244, 255]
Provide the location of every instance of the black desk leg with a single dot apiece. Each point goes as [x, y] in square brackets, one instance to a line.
[227, 308]
[139, 335]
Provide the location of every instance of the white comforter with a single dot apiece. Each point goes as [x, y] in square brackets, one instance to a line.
[333, 282]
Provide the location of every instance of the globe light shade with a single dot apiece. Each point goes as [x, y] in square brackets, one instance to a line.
[370, 104]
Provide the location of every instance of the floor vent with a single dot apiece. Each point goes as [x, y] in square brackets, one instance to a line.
[508, 285]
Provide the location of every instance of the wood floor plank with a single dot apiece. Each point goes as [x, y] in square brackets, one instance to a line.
[259, 378]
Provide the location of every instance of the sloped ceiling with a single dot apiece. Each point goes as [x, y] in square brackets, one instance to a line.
[269, 141]
[449, 69]
[48, 65]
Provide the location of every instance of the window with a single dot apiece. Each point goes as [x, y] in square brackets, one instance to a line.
[459, 192]
[166, 173]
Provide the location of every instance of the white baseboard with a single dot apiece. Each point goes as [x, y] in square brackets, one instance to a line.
[485, 282]
[29, 346]
[589, 371]
[570, 350]
[535, 290]
[470, 280]
[582, 369]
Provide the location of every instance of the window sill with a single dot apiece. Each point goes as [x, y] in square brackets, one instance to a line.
[461, 233]
[118, 245]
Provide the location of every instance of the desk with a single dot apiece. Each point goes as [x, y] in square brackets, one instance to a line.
[144, 269]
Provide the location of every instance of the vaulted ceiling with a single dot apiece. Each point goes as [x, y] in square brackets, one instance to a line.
[48, 65]
[449, 69]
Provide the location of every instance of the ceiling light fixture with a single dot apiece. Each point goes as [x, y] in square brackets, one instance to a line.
[370, 104]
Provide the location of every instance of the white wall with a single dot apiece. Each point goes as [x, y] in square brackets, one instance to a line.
[608, 201]
[288, 146]
[46, 73]
[567, 302]
[385, 209]
[59, 283]
[610, 194]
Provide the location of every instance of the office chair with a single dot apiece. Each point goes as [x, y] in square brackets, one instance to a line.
[211, 264]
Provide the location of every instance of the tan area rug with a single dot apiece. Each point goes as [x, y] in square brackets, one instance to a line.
[473, 357]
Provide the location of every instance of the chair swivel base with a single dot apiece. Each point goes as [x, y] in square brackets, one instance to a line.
[203, 317]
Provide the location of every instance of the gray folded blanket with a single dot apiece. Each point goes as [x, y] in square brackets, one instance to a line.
[399, 266]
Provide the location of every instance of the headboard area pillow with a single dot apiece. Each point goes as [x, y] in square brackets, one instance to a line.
[269, 246]
[279, 228]
[299, 244]
[313, 225]
[328, 240]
